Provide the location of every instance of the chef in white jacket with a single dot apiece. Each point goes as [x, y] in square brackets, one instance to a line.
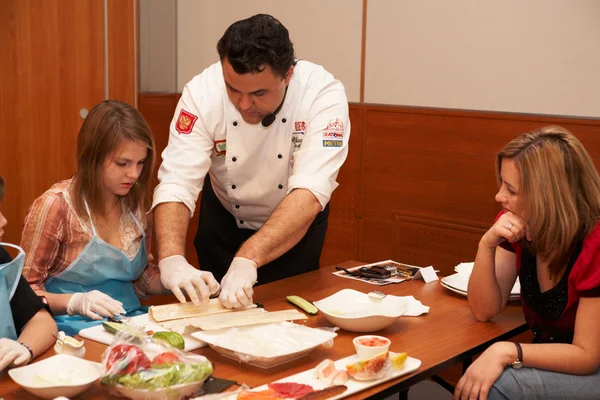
[263, 137]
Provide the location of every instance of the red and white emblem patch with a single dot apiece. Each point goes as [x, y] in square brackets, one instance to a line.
[185, 122]
[220, 147]
[300, 126]
[334, 129]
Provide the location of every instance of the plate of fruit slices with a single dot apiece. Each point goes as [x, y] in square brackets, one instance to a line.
[331, 374]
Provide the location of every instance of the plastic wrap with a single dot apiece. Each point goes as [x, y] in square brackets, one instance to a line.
[140, 367]
[376, 367]
[267, 345]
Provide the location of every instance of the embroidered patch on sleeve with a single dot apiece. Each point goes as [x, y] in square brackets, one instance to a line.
[185, 122]
[333, 143]
[334, 130]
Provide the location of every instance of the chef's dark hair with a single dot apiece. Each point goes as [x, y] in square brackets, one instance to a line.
[1, 189]
[252, 43]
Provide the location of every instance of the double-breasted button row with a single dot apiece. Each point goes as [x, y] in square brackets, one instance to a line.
[234, 159]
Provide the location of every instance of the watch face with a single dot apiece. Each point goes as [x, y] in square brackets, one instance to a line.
[517, 364]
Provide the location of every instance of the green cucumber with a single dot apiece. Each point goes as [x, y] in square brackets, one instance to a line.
[114, 327]
[303, 304]
[172, 338]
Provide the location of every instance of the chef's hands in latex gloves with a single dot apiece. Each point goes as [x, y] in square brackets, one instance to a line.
[94, 305]
[176, 274]
[13, 353]
[236, 286]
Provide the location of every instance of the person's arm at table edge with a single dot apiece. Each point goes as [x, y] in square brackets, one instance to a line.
[37, 334]
[582, 357]
[493, 276]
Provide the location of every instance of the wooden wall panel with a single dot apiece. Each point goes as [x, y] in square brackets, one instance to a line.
[158, 110]
[438, 164]
[341, 242]
[122, 50]
[376, 240]
[418, 184]
[443, 244]
[51, 67]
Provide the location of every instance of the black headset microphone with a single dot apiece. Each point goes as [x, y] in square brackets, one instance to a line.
[270, 118]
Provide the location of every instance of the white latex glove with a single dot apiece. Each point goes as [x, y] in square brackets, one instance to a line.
[94, 305]
[176, 274]
[12, 353]
[236, 286]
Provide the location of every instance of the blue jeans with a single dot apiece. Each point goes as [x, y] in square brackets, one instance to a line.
[532, 384]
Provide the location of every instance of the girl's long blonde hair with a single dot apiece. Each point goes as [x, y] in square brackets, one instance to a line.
[559, 195]
[107, 125]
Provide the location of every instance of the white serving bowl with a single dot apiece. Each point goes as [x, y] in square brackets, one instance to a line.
[355, 311]
[59, 375]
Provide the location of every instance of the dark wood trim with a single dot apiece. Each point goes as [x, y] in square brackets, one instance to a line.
[363, 50]
[482, 114]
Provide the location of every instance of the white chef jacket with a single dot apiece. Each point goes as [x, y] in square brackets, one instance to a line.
[252, 168]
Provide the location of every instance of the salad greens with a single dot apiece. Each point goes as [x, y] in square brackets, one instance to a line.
[162, 376]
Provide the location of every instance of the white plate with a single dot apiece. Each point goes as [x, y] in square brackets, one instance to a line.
[512, 297]
[99, 334]
[457, 281]
[267, 345]
[358, 312]
[59, 375]
[354, 386]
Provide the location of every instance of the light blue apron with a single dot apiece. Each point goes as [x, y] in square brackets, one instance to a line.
[103, 267]
[10, 273]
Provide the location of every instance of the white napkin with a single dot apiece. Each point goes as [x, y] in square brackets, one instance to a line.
[464, 271]
[415, 308]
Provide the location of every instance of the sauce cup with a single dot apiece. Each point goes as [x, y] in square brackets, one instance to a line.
[370, 345]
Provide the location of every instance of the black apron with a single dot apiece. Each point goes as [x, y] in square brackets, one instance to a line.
[218, 239]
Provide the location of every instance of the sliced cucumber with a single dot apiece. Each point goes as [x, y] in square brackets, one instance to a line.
[114, 327]
[173, 338]
[303, 304]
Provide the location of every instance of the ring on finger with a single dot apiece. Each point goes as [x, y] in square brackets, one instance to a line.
[510, 227]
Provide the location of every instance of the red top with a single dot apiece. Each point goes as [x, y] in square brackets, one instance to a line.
[551, 314]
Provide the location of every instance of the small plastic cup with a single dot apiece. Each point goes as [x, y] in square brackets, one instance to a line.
[370, 345]
[68, 345]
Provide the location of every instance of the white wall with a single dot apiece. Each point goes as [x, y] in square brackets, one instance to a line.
[158, 46]
[533, 56]
[324, 32]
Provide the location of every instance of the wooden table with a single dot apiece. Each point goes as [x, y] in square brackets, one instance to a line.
[447, 335]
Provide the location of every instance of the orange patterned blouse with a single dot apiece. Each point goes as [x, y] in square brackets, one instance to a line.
[54, 235]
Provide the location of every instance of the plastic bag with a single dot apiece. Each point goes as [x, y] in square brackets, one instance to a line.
[376, 367]
[142, 367]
